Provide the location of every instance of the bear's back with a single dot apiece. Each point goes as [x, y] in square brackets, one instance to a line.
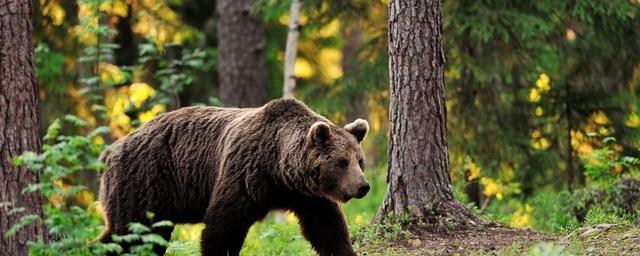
[174, 160]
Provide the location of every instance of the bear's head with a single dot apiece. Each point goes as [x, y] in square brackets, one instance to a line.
[336, 160]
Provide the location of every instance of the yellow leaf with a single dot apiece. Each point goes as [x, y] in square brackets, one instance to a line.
[538, 111]
[145, 116]
[521, 218]
[98, 140]
[633, 120]
[140, 92]
[491, 187]
[534, 95]
[330, 63]
[600, 118]
[303, 68]
[543, 83]
[331, 29]
[473, 169]
[535, 134]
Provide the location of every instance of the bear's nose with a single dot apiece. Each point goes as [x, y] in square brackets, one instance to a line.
[362, 191]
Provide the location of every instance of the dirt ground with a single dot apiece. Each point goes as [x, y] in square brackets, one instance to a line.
[602, 239]
[487, 240]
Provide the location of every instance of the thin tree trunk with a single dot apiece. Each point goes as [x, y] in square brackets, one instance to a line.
[18, 123]
[570, 169]
[291, 50]
[419, 181]
[241, 47]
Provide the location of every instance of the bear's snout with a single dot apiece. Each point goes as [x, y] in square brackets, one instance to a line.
[363, 190]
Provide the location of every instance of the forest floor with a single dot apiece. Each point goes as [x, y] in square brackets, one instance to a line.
[602, 239]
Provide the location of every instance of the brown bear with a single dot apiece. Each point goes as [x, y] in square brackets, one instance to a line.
[228, 167]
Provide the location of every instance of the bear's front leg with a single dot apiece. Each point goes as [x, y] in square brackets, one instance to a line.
[227, 221]
[323, 224]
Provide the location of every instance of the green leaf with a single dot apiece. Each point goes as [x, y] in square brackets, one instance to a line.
[16, 210]
[16, 161]
[52, 131]
[155, 239]
[126, 238]
[75, 120]
[98, 131]
[164, 223]
[31, 188]
[24, 221]
[150, 215]
[138, 228]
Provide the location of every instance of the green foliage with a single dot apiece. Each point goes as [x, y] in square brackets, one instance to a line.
[62, 157]
[72, 226]
[72, 220]
[497, 52]
[49, 68]
[367, 235]
[551, 212]
[174, 74]
[276, 238]
[143, 237]
[598, 215]
[599, 166]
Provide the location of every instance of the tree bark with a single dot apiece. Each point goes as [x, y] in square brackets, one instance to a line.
[291, 50]
[18, 123]
[241, 49]
[419, 180]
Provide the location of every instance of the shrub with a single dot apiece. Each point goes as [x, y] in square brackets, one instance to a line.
[71, 220]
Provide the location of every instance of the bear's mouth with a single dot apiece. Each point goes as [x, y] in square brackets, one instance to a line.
[360, 196]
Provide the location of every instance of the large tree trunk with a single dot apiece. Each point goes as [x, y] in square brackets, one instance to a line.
[419, 181]
[241, 47]
[18, 123]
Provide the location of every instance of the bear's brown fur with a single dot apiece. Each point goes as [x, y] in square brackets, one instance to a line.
[229, 167]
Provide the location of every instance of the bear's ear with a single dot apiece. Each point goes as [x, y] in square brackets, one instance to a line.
[319, 132]
[358, 128]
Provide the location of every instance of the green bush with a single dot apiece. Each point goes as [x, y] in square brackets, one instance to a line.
[73, 223]
[551, 212]
[598, 215]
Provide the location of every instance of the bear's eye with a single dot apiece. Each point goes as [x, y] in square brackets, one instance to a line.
[343, 163]
[361, 163]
